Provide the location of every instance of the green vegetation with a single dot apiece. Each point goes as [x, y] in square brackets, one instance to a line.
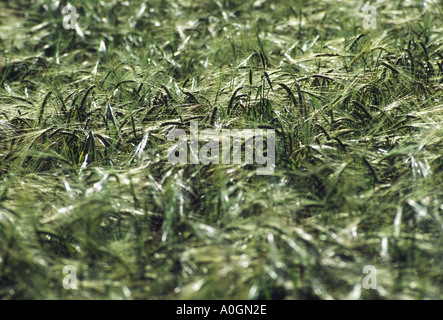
[84, 176]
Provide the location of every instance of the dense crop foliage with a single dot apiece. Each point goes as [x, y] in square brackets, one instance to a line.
[84, 175]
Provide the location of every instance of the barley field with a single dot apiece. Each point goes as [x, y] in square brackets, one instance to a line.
[91, 207]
